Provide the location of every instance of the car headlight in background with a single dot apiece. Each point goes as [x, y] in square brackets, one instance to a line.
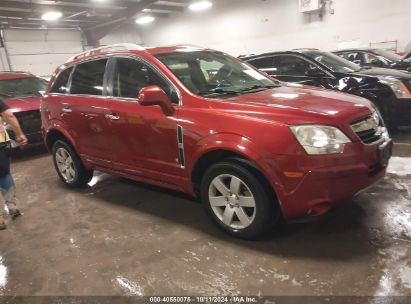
[399, 88]
[319, 139]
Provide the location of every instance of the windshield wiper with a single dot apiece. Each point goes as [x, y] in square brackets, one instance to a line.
[258, 88]
[218, 92]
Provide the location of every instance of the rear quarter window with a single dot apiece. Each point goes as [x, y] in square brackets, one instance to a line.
[88, 78]
[61, 84]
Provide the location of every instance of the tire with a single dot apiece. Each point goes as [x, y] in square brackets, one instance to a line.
[237, 201]
[69, 167]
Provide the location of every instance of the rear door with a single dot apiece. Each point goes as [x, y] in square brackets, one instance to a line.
[142, 140]
[85, 110]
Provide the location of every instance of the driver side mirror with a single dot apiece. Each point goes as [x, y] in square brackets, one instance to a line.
[155, 96]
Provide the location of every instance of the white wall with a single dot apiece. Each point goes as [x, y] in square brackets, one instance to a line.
[254, 26]
[127, 34]
[40, 51]
[4, 64]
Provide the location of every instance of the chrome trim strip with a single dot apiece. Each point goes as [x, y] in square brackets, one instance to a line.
[377, 126]
[180, 144]
[135, 57]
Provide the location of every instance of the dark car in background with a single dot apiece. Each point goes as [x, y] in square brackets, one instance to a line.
[22, 92]
[388, 89]
[376, 58]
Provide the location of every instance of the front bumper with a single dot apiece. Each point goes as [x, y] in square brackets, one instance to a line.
[327, 180]
[30, 122]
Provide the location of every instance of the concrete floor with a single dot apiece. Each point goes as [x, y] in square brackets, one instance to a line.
[124, 238]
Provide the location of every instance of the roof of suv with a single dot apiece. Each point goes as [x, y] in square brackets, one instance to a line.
[127, 48]
[15, 75]
[296, 51]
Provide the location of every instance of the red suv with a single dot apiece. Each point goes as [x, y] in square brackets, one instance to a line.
[207, 124]
[22, 91]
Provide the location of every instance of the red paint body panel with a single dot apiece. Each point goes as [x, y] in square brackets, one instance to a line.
[25, 108]
[16, 75]
[143, 144]
[24, 104]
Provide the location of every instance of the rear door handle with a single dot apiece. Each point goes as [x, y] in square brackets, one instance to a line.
[112, 117]
[67, 110]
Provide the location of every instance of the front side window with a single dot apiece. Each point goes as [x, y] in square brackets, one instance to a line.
[130, 76]
[88, 78]
[214, 74]
[289, 65]
[61, 84]
[333, 62]
[263, 64]
[22, 87]
[369, 58]
[355, 57]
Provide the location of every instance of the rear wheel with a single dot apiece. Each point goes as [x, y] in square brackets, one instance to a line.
[237, 201]
[69, 166]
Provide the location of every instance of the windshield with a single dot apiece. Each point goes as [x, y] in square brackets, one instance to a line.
[214, 74]
[22, 87]
[389, 55]
[334, 62]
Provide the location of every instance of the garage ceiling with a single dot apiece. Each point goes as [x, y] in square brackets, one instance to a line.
[95, 17]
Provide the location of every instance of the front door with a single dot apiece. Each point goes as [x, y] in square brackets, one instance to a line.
[87, 109]
[143, 140]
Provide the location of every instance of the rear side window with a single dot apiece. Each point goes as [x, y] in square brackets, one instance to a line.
[61, 84]
[88, 78]
[131, 75]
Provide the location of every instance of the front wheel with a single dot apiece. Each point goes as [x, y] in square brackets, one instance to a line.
[237, 201]
[69, 166]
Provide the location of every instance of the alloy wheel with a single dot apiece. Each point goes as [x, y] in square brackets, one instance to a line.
[65, 165]
[232, 201]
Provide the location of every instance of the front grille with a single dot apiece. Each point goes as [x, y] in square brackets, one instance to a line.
[30, 121]
[369, 129]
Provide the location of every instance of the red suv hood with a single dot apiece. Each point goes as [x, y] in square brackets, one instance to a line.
[24, 104]
[294, 105]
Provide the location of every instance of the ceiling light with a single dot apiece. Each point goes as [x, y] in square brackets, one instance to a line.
[145, 20]
[200, 5]
[52, 16]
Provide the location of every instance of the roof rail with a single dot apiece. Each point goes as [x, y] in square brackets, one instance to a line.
[112, 47]
[15, 72]
[187, 45]
[305, 49]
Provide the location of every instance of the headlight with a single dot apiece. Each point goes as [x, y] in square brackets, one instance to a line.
[318, 139]
[398, 87]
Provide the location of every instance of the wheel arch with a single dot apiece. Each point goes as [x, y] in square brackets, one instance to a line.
[56, 134]
[213, 156]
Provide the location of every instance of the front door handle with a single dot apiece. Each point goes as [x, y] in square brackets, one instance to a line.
[67, 110]
[112, 117]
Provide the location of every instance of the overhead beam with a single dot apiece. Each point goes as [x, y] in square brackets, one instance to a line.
[33, 7]
[97, 32]
[61, 4]
[168, 8]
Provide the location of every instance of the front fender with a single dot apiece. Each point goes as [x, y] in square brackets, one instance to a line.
[57, 125]
[238, 144]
